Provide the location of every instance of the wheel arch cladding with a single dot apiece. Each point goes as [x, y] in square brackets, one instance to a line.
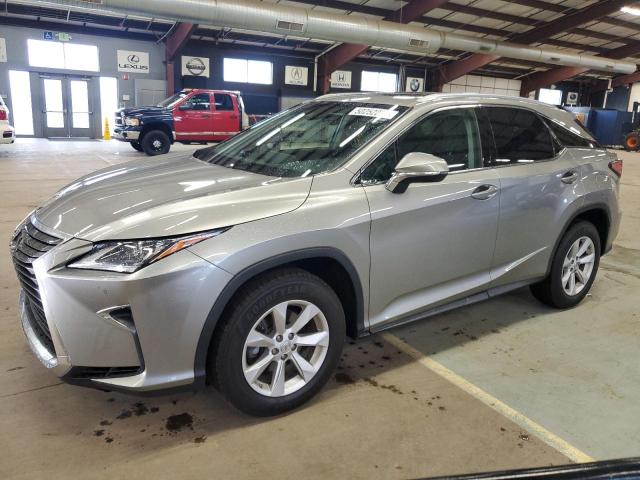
[162, 126]
[330, 264]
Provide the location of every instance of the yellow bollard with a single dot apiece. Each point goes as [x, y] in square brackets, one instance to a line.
[107, 131]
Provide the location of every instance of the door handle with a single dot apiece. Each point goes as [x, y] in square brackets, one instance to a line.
[484, 192]
[569, 177]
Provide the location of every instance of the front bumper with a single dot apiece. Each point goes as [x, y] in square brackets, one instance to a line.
[126, 134]
[168, 303]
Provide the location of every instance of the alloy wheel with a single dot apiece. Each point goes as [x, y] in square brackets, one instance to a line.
[577, 267]
[285, 348]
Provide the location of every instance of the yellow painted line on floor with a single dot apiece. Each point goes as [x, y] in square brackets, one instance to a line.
[518, 418]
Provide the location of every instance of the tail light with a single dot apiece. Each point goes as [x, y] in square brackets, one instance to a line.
[616, 167]
[3, 113]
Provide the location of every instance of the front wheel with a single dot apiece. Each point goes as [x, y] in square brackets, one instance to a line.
[137, 146]
[573, 269]
[155, 142]
[280, 342]
[632, 142]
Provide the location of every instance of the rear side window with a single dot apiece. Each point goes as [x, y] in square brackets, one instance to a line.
[223, 102]
[568, 136]
[520, 135]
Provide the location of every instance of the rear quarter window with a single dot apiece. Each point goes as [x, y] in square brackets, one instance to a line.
[569, 136]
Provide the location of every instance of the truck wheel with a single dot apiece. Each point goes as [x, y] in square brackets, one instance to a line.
[155, 142]
[632, 142]
[137, 146]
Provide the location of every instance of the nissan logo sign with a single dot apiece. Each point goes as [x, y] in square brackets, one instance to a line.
[195, 66]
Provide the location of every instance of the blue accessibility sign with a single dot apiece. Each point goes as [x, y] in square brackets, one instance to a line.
[47, 35]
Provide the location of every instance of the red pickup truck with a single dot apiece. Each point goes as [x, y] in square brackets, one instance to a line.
[191, 115]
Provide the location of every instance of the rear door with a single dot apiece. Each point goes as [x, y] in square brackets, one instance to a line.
[434, 243]
[540, 189]
[226, 118]
[193, 118]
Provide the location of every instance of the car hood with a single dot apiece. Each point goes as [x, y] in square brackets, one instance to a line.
[132, 111]
[160, 198]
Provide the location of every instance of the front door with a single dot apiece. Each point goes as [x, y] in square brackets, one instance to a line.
[226, 117]
[434, 243]
[193, 118]
[67, 107]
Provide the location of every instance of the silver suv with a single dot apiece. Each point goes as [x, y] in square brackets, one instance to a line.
[247, 264]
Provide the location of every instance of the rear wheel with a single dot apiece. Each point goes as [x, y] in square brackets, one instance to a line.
[632, 142]
[136, 146]
[573, 269]
[155, 142]
[280, 342]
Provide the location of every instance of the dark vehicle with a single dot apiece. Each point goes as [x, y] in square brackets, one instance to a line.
[191, 115]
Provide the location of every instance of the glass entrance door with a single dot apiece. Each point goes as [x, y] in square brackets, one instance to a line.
[67, 111]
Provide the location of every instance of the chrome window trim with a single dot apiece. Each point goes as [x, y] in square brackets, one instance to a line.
[354, 180]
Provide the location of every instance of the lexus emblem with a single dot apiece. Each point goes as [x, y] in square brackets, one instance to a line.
[133, 58]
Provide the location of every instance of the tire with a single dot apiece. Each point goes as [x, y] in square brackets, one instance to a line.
[551, 291]
[632, 142]
[155, 142]
[231, 359]
[137, 146]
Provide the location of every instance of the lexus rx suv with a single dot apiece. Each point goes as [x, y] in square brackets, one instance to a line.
[247, 264]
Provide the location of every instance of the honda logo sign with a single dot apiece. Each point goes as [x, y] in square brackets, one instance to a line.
[341, 79]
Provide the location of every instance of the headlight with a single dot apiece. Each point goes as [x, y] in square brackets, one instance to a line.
[131, 122]
[127, 256]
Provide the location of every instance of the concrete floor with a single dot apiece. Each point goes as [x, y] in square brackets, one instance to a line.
[383, 416]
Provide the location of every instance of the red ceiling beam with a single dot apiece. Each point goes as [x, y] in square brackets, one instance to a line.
[458, 68]
[346, 52]
[175, 41]
[544, 79]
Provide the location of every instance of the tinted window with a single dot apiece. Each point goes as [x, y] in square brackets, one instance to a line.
[223, 102]
[520, 135]
[568, 136]
[451, 135]
[200, 101]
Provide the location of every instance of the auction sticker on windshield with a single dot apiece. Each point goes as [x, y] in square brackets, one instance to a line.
[374, 112]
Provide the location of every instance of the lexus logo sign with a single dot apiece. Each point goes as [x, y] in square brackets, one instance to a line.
[134, 62]
[294, 75]
[195, 66]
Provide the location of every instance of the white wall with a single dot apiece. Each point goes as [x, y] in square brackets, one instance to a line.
[482, 84]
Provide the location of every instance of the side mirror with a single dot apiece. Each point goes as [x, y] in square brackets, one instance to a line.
[417, 167]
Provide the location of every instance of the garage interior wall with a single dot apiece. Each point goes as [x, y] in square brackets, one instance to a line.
[17, 59]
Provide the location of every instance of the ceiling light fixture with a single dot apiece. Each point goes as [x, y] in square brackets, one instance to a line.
[631, 10]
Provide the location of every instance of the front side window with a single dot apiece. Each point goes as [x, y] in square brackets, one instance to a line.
[451, 135]
[314, 138]
[223, 102]
[520, 135]
[200, 101]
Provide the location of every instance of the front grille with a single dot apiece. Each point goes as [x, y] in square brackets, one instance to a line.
[103, 372]
[119, 122]
[27, 245]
